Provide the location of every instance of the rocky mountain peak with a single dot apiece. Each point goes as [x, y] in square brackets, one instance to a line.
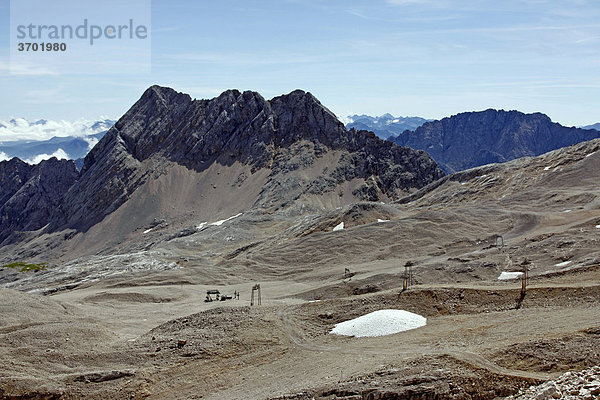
[290, 151]
[472, 139]
[282, 135]
[301, 116]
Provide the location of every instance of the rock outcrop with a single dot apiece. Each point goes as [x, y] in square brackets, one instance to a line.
[473, 139]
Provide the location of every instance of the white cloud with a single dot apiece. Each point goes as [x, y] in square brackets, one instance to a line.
[29, 69]
[345, 120]
[91, 141]
[21, 129]
[4, 156]
[60, 154]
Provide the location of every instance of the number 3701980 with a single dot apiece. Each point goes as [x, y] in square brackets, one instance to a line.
[42, 47]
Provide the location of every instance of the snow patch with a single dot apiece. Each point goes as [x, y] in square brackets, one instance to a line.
[201, 226]
[148, 230]
[380, 323]
[597, 226]
[507, 276]
[591, 154]
[562, 264]
[219, 223]
[382, 220]
[339, 227]
[547, 168]
[567, 211]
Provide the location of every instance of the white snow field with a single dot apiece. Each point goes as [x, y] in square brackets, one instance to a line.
[201, 226]
[506, 276]
[380, 323]
[562, 264]
[219, 223]
[338, 227]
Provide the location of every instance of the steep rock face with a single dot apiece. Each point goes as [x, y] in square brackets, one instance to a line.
[472, 139]
[285, 135]
[13, 175]
[31, 194]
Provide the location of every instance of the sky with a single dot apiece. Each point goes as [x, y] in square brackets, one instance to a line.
[427, 58]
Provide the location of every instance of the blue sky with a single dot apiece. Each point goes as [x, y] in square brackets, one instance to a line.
[429, 58]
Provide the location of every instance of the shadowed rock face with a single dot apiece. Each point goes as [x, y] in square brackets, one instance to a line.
[472, 139]
[285, 134]
[31, 194]
[13, 175]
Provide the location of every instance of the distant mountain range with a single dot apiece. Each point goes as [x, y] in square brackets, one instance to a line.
[472, 139]
[384, 126]
[594, 126]
[39, 140]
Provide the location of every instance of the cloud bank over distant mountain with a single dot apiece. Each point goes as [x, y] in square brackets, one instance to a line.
[59, 154]
[40, 140]
[384, 126]
[22, 129]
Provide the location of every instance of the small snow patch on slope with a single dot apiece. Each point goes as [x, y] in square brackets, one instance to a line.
[148, 230]
[506, 276]
[338, 227]
[380, 323]
[218, 223]
[562, 264]
[597, 226]
[382, 220]
[201, 226]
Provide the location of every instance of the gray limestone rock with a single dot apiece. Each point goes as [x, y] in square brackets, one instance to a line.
[285, 134]
[472, 139]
